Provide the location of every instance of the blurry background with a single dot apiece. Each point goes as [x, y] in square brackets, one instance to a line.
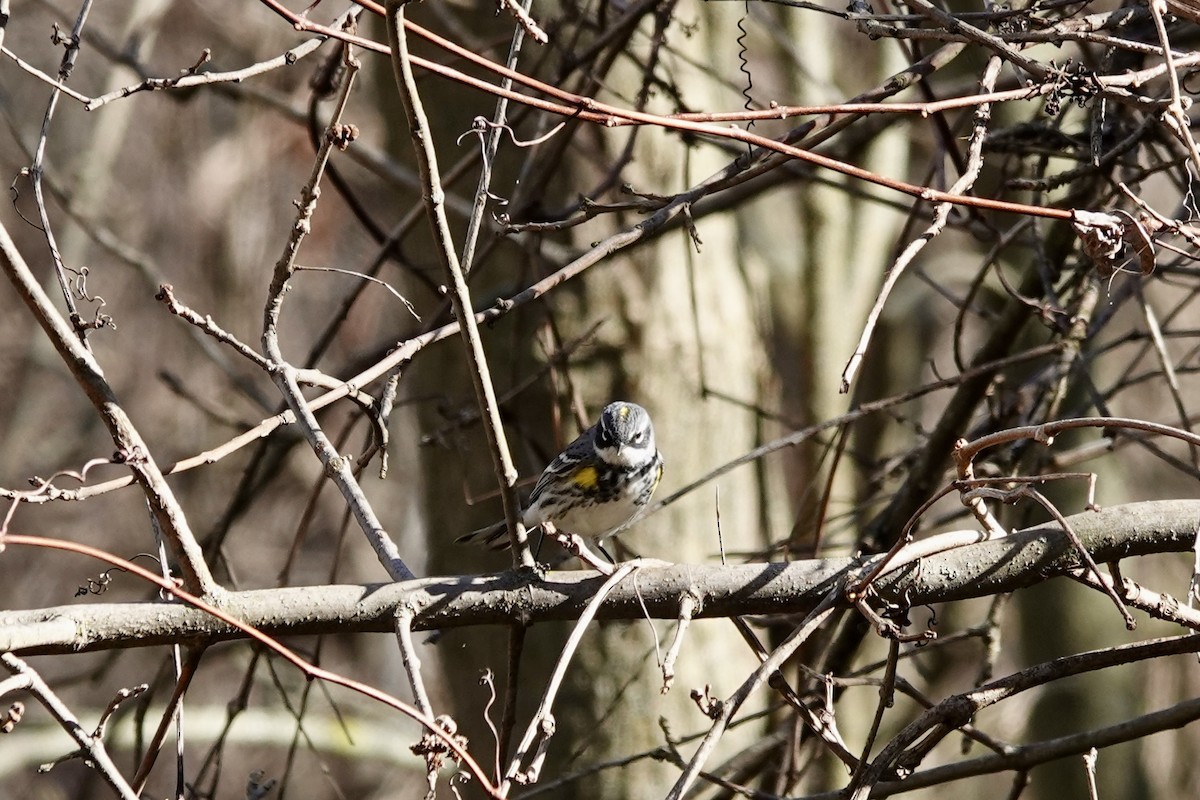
[732, 333]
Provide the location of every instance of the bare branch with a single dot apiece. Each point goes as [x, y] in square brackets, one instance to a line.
[91, 747]
[460, 295]
[131, 448]
[988, 567]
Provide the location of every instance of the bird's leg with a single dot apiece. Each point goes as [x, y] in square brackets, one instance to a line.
[574, 545]
[607, 554]
[537, 551]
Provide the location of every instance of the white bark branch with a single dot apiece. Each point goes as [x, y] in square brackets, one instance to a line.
[1016, 561]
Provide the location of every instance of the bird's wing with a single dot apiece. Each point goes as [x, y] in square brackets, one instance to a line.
[566, 463]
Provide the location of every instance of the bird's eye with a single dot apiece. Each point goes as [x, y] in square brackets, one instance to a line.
[639, 437]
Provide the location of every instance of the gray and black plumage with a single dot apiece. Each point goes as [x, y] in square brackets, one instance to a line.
[598, 483]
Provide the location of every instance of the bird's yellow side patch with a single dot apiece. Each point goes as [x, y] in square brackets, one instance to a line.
[585, 478]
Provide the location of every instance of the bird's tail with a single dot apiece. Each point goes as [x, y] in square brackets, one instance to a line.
[493, 537]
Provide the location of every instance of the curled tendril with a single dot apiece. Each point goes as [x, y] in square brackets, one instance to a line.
[98, 584]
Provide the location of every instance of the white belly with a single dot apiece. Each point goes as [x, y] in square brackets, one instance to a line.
[597, 520]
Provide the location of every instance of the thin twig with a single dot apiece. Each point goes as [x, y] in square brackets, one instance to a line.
[731, 705]
[491, 142]
[822, 723]
[983, 115]
[42, 76]
[412, 663]
[965, 451]
[460, 295]
[286, 377]
[309, 670]
[886, 700]
[526, 23]
[936, 723]
[864, 410]
[168, 718]
[1089, 758]
[1167, 365]
[66, 66]
[541, 727]
[133, 449]
[610, 115]
[370, 278]
[512, 685]
[1174, 116]
[689, 604]
[90, 747]
[1156, 604]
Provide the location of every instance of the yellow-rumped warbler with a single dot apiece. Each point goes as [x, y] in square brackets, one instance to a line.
[597, 484]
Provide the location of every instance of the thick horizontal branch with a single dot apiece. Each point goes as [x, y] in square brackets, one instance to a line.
[973, 570]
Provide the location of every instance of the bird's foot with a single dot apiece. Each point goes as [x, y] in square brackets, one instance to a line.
[575, 545]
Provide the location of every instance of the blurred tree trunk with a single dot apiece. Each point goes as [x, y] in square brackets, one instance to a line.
[651, 347]
[826, 267]
[691, 337]
[762, 317]
[841, 243]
